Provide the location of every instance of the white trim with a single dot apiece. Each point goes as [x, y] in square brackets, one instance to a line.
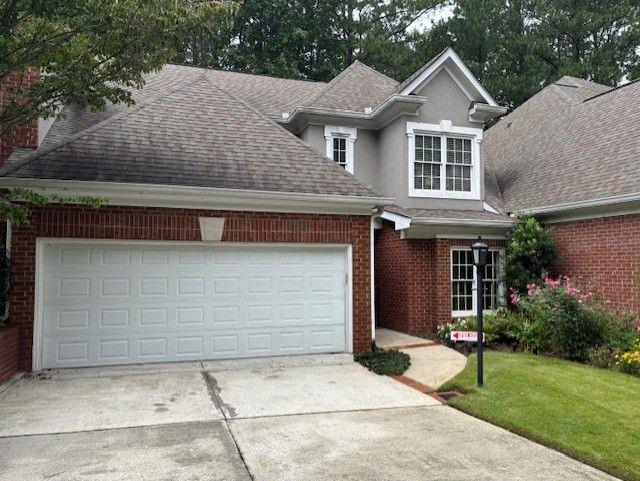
[36, 354]
[349, 299]
[449, 55]
[470, 237]
[43, 242]
[489, 208]
[348, 133]
[187, 197]
[400, 221]
[443, 129]
[462, 222]
[501, 293]
[373, 281]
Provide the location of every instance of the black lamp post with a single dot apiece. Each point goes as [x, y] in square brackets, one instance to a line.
[480, 251]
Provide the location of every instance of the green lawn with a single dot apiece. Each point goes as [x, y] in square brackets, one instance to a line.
[590, 414]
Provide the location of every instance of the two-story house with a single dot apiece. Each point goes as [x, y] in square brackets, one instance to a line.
[253, 216]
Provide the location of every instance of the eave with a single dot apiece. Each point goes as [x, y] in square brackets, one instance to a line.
[375, 119]
[189, 197]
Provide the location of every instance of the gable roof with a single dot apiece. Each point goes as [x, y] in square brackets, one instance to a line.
[355, 88]
[574, 141]
[194, 134]
[448, 57]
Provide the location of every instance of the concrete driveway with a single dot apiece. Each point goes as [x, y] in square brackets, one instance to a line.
[311, 418]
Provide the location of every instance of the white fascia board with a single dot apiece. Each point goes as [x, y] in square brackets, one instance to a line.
[187, 197]
[585, 204]
[464, 222]
[400, 221]
[416, 100]
[489, 208]
[451, 56]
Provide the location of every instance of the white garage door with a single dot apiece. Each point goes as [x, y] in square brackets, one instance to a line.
[135, 303]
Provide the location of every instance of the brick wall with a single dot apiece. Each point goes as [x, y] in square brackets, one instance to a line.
[603, 252]
[112, 222]
[8, 352]
[27, 135]
[413, 281]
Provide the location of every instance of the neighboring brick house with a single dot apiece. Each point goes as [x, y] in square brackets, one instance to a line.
[256, 216]
[570, 155]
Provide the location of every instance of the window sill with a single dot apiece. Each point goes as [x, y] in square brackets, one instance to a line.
[439, 194]
[460, 314]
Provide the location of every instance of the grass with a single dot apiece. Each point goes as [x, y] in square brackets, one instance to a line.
[385, 363]
[590, 414]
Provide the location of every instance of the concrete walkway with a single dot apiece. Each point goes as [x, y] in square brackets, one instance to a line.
[431, 364]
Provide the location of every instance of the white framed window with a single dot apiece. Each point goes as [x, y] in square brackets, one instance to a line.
[340, 145]
[444, 160]
[463, 282]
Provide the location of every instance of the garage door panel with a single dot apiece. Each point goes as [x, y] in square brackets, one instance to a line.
[127, 304]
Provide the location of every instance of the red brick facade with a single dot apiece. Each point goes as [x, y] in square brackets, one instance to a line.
[605, 253]
[8, 352]
[413, 281]
[140, 223]
[26, 136]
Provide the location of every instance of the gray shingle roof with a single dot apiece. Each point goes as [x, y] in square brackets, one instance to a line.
[571, 142]
[271, 96]
[193, 134]
[355, 88]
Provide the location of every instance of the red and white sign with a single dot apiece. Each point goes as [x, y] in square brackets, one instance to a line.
[465, 336]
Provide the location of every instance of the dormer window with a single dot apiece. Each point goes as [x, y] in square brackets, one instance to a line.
[444, 160]
[340, 145]
[340, 151]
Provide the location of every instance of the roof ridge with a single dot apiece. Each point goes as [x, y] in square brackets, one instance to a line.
[328, 85]
[291, 135]
[8, 169]
[611, 89]
[374, 70]
[249, 74]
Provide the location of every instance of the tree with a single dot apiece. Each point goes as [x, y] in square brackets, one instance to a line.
[517, 47]
[310, 39]
[594, 39]
[90, 52]
[530, 254]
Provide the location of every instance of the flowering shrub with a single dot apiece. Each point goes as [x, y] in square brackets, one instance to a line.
[569, 322]
[629, 361]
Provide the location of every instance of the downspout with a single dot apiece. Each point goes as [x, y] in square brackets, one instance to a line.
[4, 316]
[373, 284]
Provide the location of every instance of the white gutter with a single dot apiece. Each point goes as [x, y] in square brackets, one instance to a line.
[585, 204]
[198, 197]
[466, 222]
[412, 99]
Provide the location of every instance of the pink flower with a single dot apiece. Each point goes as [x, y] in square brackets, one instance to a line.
[552, 282]
[608, 302]
[515, 298]
[572, 291]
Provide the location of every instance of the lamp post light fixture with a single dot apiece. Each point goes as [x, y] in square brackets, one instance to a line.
[480, 252]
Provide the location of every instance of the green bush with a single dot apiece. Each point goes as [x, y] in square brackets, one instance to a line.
[504, 327]
[383, 362]
[603, 357]
[567, 322]
[530, 254]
